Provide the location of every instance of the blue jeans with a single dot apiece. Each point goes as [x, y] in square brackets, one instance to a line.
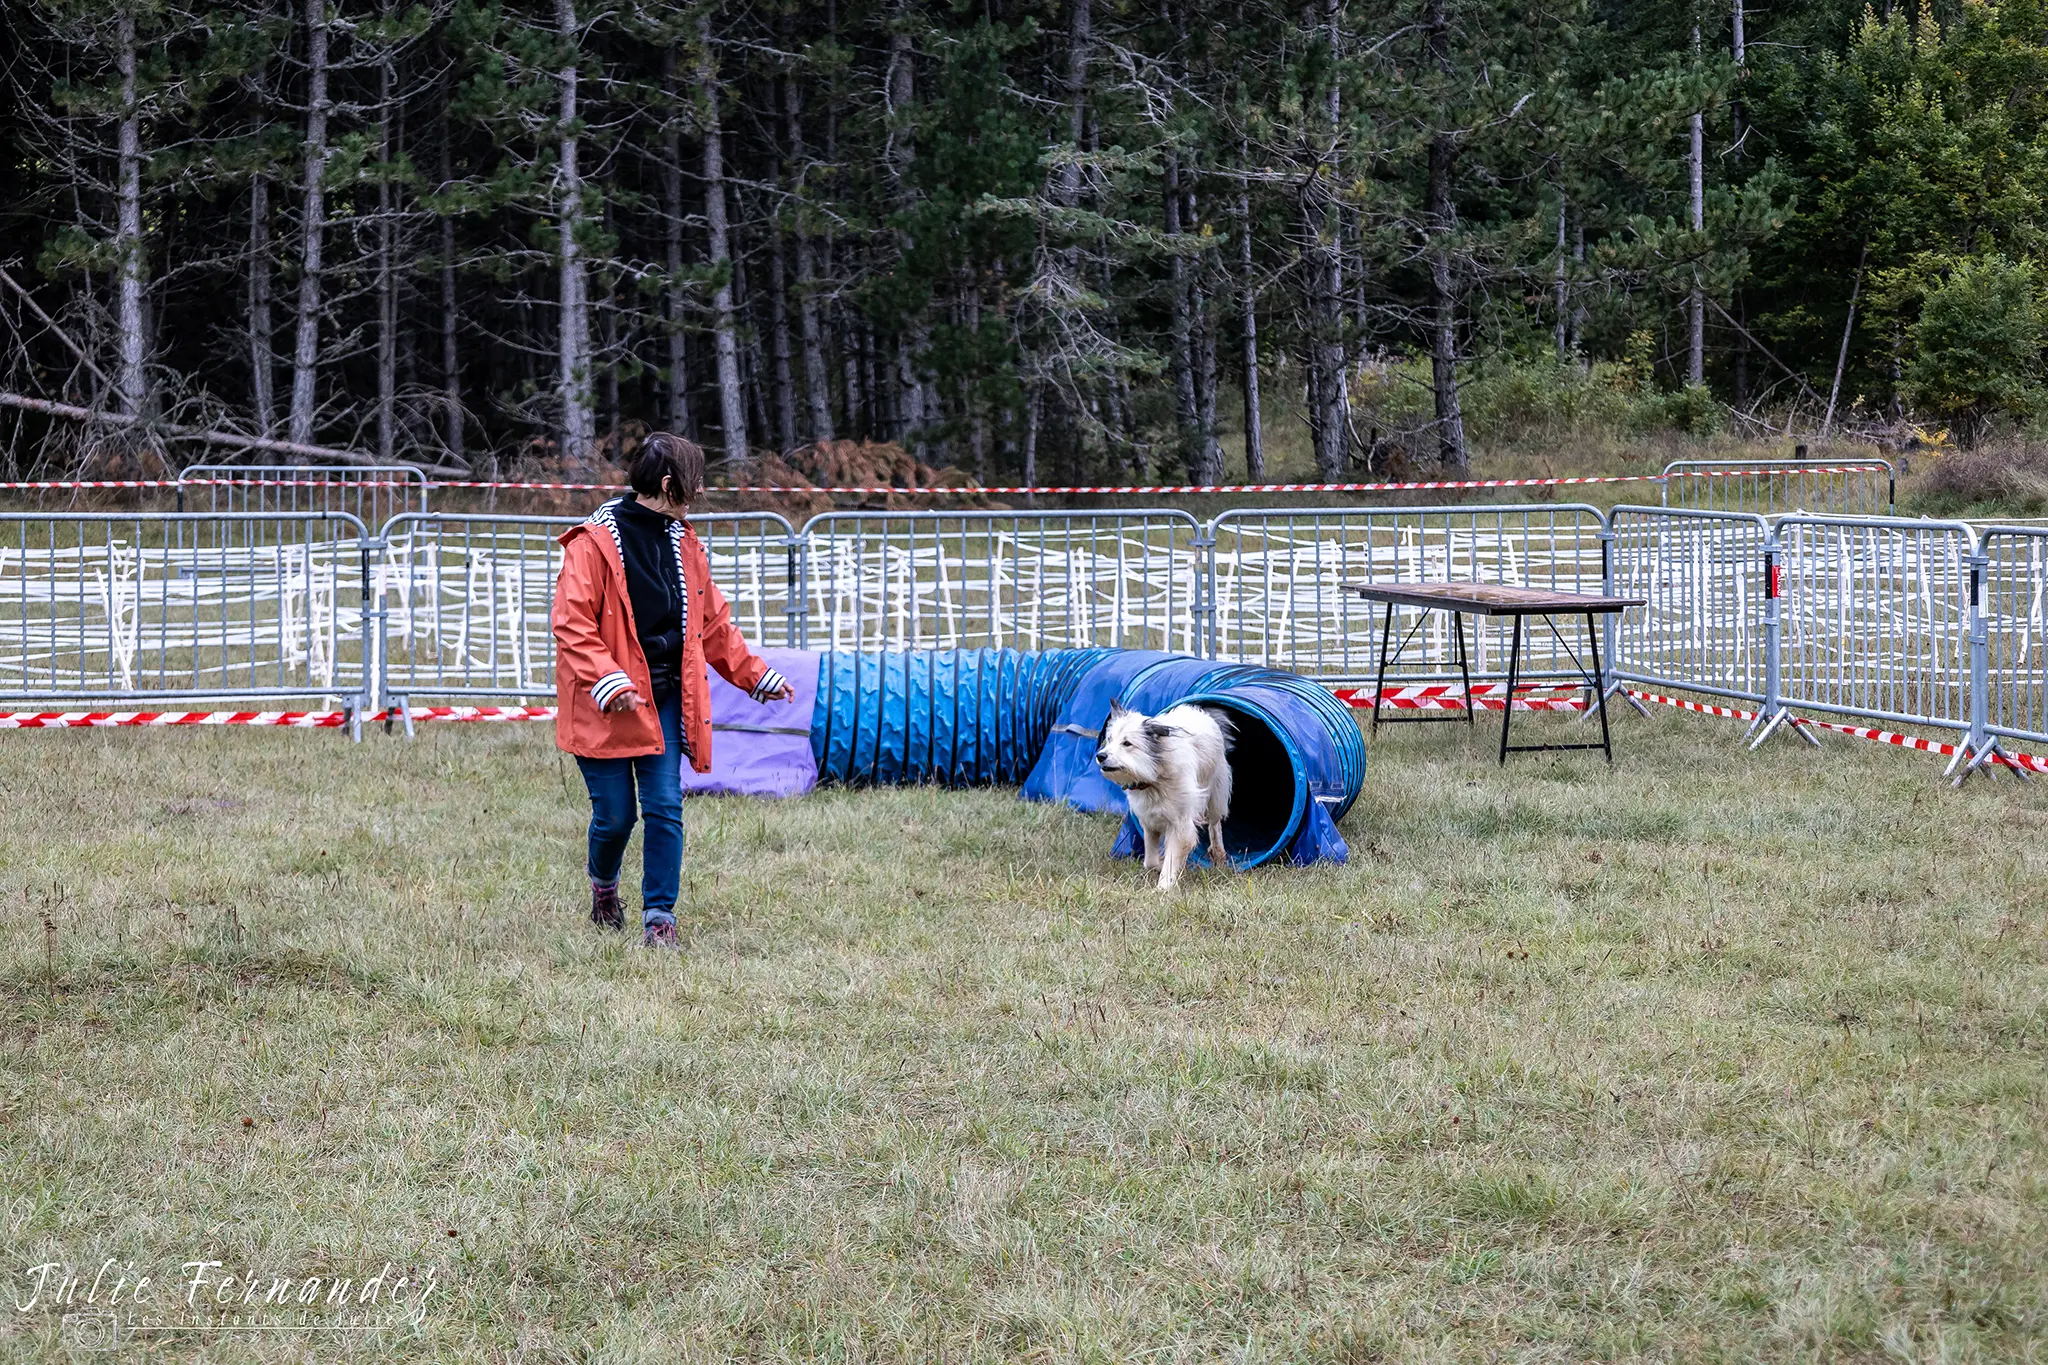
[659, 777]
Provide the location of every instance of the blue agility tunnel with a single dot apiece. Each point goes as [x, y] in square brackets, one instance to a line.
[978, 716]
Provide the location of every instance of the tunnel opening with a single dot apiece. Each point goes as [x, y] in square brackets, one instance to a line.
[1267, 786]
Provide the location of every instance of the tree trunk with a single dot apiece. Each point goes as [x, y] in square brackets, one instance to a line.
[899, 91]
[1186, 405]
[977, 415]
[572, 372]
[451, 357]
[131, 381]
[675, 303]
[1080, 43]
[753, 374]
[1696, 167]
[313, 228]
[1332, 414]
[387, 275]
[857, 420]
[817, 379]
[262, 394]
[1737, 116]
[1442, 218]
[1120, 421]
[1247, 304]
[1067, 187]
[817, 383]
[1578, 303]
[1741, 366]
[778, 326]
[1827, 423]
[732, 402]
[1561, 303]
[1210, 468]
[1031, 414]
[607, 358]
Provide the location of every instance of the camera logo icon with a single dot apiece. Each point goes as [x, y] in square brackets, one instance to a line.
[92, 1331]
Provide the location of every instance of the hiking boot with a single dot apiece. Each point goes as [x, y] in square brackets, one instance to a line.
[660, 936]
[604, 907]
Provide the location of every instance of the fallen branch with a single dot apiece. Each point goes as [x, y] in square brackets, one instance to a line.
[213, 438]
[1797, 377]
[59, 332]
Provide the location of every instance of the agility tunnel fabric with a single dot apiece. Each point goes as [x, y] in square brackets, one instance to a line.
[974, 717]
[756, 749]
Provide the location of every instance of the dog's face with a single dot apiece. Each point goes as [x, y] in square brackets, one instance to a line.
[1129, 754]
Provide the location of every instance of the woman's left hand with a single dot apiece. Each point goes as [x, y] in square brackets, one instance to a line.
[783, 693]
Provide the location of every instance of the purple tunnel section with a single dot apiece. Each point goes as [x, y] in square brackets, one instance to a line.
[759, 750]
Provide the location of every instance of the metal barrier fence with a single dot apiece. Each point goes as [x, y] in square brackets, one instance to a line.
[371, 494]
[1027, 580]
[1876, 618]
[461, 604]
[116, 606]
[2013, 607]
[1904, 622]
[1279, 578]
[1705, 577]
[1850, 488]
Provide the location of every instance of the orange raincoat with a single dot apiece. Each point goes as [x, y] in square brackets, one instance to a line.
[597, 649]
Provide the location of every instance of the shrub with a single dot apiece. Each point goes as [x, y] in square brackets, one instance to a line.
[1976, 346]
[2012, 481]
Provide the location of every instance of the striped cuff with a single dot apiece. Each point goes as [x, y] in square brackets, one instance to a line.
[610, 685]
[771, 682]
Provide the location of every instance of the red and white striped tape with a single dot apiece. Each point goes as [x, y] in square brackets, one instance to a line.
[472, 713]
[92, 720]
[1449, 697]
[315, 720]
[1008, 490]
[1434, 696]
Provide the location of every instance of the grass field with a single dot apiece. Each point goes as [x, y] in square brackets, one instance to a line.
[1718, 1057]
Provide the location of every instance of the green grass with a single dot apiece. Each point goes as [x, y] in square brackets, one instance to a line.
[1718, 1057]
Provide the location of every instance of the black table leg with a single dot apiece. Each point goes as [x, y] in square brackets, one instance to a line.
[1599, 686]
[1465, 669]
[1514, 674]
[1380, 684]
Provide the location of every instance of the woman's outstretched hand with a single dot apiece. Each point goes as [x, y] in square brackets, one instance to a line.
[782, 693]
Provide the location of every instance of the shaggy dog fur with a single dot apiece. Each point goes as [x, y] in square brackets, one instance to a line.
[1172, 768]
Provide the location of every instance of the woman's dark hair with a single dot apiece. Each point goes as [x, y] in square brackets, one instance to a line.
[664, 455]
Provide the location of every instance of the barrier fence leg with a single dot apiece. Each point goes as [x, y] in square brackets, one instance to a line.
[796, 610]
[1980, 749]
[1774, 713]
[370, 638]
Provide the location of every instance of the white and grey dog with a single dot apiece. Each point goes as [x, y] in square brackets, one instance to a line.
[1172, 768]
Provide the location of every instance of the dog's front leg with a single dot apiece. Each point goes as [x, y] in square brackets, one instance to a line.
[1152, 848]
[1177, 844]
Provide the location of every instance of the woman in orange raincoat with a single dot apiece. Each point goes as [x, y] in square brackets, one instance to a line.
[637, 620]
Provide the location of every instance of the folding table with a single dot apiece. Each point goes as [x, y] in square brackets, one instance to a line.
[1499, 599]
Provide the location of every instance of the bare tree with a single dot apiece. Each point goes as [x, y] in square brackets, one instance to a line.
[131, 382]
[573, 360]
[1442, 220]
[1696, 174]
[732, 399]
[312, 228]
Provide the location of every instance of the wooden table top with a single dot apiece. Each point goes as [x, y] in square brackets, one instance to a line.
[1493, 599]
